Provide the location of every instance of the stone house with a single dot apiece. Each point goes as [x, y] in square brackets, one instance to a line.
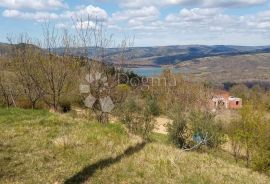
[223, 100]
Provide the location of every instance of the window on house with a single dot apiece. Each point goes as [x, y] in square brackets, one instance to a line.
[237, 102]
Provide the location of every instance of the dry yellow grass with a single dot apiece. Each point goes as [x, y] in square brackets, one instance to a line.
[39, 147]
[158, 163]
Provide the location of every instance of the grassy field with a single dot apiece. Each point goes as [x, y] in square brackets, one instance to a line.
[40, 147]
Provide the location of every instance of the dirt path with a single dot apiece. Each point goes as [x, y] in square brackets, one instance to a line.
[162, 124]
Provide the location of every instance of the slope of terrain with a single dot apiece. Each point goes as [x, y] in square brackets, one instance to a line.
[40, 147]
[240, 68]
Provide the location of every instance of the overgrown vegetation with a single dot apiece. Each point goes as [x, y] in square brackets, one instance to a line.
[40, 147]
[137, 117]
[195, 129]
[250, 138]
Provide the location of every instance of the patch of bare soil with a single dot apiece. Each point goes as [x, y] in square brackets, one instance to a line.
[161, 125]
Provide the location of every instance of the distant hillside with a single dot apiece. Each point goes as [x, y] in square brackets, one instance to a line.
[170, 55]
[163, 55]
[6, 48]
[217, 63]
[239, 68]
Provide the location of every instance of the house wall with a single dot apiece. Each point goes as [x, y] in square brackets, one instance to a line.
[235, 104]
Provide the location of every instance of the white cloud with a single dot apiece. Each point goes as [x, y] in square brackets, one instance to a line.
[232, 3]
[134, 22]
[194, 25]
[216, 28]
[136, 18]
[206, 26]
[37, 16]
[195, 14]
[202, 3]
[32, 4]
[260, 21]
[143, 14]
[83, 13]
[85, 25]
[141, 3]
[197, 19]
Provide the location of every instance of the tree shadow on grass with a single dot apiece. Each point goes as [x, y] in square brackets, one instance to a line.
[89, 170]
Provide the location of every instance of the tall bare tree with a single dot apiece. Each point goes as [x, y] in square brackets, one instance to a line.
[93, 39]
[9, 88]
[56, 72]
[24, 55]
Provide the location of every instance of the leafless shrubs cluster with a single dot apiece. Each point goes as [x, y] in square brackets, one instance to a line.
[48, 72]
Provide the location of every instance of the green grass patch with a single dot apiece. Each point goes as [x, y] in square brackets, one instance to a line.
[39, 147]
[159, 138]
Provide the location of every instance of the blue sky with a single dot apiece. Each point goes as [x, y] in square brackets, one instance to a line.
[151, 22]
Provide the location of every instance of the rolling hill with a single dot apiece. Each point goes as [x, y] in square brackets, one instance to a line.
[170, 55]
[162, 55]
[219, 63]
[175, 54]
[238, 68]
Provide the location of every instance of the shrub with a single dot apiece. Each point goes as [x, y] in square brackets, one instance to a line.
[177, 132]
[194, 129]
[65, 106]
[204, 125]
[153, 106]
[137, 118]
[121, 92]
[250, 133]
[261, 157]
[23, 103]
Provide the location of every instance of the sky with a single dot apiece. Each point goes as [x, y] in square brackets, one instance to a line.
[150, 22]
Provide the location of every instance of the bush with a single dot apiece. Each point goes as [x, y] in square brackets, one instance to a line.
[23, 103]
[194, 129]
[261, 156]
[204, 125]
[137, 118]
[121, 92]
[177, 132]
[250, 133]
[65, 106]
[153, 106]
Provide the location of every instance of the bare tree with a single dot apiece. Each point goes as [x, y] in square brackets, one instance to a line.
[125, 53]
[24, 55]
[9, 89]
[93, 39]
[56, 73]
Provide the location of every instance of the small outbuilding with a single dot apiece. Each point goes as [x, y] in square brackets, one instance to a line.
[235, 103]
[223, 100]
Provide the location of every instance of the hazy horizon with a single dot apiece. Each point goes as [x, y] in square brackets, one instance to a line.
[179, 45]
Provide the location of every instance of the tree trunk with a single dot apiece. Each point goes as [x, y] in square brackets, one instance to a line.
[33, 105]
[103, 118]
